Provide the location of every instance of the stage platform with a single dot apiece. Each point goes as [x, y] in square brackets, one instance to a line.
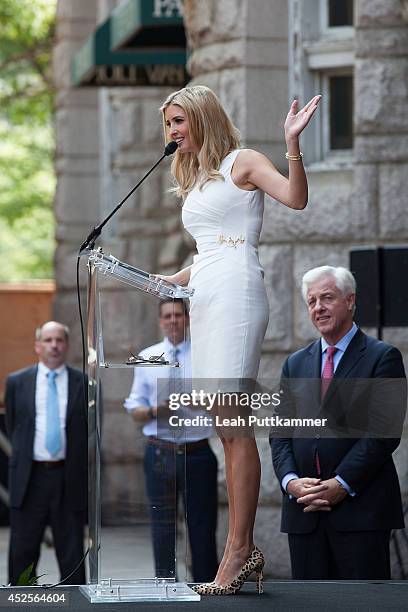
[278, 596]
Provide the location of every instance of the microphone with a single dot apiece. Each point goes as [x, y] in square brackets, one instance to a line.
[89, 243]
[170, 147]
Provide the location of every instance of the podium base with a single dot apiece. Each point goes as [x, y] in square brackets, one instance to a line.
[116, 591]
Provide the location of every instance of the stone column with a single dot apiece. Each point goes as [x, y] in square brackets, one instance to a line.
[239, 49]
[381, 147]
[381, 121]
[76, 159]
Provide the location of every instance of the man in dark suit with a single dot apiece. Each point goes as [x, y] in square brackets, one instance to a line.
[47, 425]
[341, 495]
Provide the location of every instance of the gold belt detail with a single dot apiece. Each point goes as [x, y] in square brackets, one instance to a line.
[231, 242]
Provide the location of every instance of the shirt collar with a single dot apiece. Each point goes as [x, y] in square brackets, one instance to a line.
[343, 343]
[169, 347]
[42, 368]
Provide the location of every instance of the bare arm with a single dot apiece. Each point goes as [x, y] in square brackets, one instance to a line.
[254, 170]
[181, 277]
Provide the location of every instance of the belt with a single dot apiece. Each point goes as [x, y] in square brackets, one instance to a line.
[50, 464]
[188, 447]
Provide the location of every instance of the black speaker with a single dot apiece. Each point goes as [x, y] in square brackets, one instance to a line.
[382, 286]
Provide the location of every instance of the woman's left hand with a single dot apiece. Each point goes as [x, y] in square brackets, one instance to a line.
[296, 121]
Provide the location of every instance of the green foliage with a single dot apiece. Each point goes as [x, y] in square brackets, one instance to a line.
[26, 578]
[26, 29]
[26, 248]
[27, 179]
[26, 176]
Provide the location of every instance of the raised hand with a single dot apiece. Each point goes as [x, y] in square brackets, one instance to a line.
[296, 121]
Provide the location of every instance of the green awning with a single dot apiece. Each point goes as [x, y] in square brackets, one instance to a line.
[147, 23]
[148, 64]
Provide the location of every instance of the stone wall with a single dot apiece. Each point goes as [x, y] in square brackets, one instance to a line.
[381, 149]
[76, 158]
[107, 139]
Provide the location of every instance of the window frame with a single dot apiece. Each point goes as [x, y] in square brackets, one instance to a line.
[327, 152]
[317, 52]
[333, 31]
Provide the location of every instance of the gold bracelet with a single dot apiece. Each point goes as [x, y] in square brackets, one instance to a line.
[294, 157]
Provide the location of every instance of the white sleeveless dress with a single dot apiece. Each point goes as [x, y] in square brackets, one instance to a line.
[229, 309]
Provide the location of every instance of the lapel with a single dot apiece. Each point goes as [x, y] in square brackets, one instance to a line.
[353, 354]
[313, 367]
[72, 391]
[29, 390]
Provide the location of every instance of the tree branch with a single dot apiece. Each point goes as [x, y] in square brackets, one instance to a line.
[29, 54]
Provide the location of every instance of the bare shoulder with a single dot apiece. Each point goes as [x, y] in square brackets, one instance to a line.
[247, 166]
[250, 157]
[249, 161]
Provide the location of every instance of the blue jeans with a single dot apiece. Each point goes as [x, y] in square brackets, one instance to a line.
[167, 476]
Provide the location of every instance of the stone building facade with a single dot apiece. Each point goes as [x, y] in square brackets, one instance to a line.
[256, 55]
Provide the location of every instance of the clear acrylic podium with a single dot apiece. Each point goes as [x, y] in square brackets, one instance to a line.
[101, 589]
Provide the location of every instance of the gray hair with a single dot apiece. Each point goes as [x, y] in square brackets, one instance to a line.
[343, 279]
[39, 329]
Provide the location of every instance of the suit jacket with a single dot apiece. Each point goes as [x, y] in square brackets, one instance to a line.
[365, 463]
[20, 423]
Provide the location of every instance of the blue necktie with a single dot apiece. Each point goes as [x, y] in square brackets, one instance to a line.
[52, 431]
[177, 387]
[176, 374]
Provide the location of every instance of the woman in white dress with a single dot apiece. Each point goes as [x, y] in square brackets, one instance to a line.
[222, 188]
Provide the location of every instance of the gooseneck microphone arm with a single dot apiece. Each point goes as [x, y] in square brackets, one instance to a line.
[91, 238]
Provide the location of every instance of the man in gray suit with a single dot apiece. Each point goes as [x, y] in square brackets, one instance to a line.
[47, 425]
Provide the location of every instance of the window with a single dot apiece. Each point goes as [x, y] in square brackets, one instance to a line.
[340, 13]
[336, 17]
[321, 60]
[341, 112]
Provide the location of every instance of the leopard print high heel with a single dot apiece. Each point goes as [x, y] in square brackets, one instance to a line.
[254, 563]
[203, 588]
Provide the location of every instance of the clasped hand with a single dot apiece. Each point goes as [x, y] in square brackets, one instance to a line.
[316, 494]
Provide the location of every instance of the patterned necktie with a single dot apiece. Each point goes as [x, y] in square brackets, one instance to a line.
[52, 430]
[328, 370]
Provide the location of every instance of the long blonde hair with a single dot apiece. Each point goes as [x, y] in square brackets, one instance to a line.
[211, 130]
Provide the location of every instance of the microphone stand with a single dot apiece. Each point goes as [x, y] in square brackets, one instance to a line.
[89, 243]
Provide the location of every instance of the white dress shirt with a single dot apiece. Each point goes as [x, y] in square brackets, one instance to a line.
[148, 379]
[341, 346]
[41, 387]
